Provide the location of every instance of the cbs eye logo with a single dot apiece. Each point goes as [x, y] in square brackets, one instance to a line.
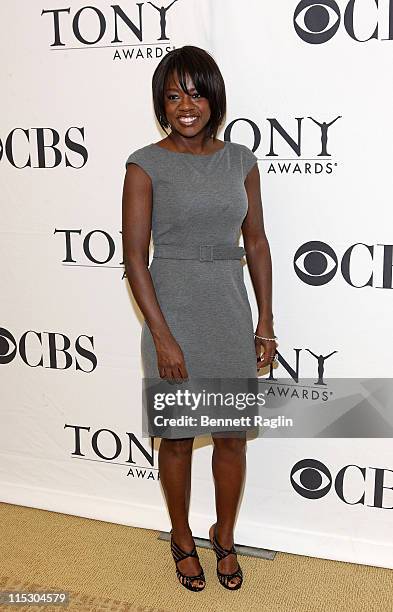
[8, 346]
[315, 263]
[311, 479]
[316, 22]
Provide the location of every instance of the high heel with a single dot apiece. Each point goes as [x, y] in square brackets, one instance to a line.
[178, 555]
[221, 553]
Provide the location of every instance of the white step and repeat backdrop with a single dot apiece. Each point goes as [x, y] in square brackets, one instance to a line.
[309, 91]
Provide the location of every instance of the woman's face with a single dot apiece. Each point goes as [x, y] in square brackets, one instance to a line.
[187, 114]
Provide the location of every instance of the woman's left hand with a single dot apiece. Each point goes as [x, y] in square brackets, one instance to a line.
[265, 349]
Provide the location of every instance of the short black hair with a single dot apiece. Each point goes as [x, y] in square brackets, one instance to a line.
[205, 74]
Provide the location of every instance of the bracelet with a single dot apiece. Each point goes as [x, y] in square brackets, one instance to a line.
[263, 338]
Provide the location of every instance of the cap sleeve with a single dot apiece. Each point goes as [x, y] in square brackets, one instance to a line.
[141, 158]
[249, 159]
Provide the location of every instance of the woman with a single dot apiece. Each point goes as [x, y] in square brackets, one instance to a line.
[192, 190]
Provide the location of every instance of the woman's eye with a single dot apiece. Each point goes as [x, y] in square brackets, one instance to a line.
[173, 96]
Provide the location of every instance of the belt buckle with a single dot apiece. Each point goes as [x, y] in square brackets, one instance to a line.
[210, 252]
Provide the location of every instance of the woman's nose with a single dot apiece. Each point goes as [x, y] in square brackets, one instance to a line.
[186, 103]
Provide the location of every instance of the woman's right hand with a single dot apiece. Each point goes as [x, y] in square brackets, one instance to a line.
[170, 359]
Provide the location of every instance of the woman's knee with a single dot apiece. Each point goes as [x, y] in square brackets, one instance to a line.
[230, 445]
[179, 447]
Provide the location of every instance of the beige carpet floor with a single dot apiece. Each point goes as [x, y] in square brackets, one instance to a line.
[110, 567]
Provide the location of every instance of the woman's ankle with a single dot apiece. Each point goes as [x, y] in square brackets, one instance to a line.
[224, 534]
[181, 533]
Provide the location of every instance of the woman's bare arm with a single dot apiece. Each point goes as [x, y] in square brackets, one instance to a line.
[136, 231]
[259, 261]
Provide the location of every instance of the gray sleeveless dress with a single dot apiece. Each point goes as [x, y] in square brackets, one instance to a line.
[200, 199]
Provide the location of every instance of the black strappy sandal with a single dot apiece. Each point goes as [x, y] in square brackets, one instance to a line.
[178, 555]
[221, 553]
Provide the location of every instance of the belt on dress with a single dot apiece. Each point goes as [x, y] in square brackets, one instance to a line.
[203, 252]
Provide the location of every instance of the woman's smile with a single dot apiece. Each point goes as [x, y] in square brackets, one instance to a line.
[188, 121]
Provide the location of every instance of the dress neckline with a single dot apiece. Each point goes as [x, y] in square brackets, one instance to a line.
[157, 146]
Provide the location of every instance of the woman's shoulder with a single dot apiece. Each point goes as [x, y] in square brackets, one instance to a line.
[245, 155]
[140, 153]
[145, 158]
[242, 148]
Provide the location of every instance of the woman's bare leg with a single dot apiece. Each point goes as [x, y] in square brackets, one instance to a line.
[228, 466]
[174, 462]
